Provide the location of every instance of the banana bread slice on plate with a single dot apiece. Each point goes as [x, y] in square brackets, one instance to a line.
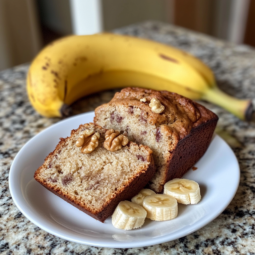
[177, 129]
[94, 169]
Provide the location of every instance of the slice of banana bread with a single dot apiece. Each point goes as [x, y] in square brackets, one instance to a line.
[95, 179]
[177, 129]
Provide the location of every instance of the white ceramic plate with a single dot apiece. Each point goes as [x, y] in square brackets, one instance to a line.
[216, 168]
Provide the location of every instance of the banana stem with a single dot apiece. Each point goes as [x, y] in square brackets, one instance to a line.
[241, 108]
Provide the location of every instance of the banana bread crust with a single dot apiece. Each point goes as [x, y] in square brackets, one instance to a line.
[181, 159]
[137, 182]
[181, 114]
[189, 126]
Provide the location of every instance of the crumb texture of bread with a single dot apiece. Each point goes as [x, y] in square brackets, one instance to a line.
[92, 181]
[171, 134]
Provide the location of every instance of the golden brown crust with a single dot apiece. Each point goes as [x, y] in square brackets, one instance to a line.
[180, 114]
[134, 186]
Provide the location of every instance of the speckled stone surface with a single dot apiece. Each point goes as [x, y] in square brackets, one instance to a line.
[233, 232]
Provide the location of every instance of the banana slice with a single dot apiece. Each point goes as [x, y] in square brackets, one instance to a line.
[160, 207]
[138, 199]
[185, 191]
[128, 215]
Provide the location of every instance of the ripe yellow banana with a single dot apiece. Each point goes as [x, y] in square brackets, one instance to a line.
[76, 66]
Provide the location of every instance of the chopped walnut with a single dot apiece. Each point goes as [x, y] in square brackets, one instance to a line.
[143, 99]
[156, 106]
[86, 133]
[80, 141]
[89, 141]
[114, 140]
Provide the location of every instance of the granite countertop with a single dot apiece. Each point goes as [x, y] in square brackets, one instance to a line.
[232, 232]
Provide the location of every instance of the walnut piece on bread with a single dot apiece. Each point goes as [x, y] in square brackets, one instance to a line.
[88, 141]
[156, 106]
[114, 140]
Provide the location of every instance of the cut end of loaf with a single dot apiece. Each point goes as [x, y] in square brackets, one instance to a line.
[96, 182]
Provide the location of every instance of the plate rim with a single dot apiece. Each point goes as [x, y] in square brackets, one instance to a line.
[149, 242]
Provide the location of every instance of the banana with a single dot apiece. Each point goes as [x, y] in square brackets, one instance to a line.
[138, 199]
[76, 66]
[160, 207]
[128, 215]
[185, 191]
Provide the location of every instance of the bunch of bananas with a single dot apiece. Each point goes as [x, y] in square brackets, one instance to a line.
[76, 66]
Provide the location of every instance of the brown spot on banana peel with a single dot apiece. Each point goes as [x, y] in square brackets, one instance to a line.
[168, 58]
[55, 74]
[45, 67]
[82, 59]
[79, 59]
[47, 59]
[55, 83]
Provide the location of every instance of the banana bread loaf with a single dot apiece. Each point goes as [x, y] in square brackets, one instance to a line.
[93, 173]
[177, 129]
